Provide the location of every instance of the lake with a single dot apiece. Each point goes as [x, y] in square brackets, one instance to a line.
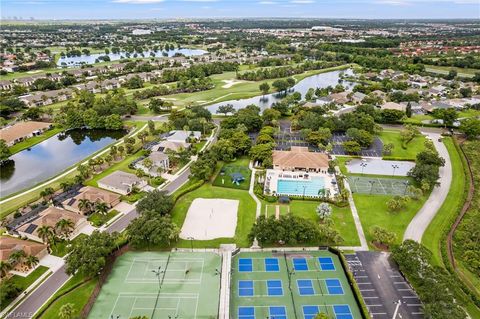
[90, 59]
[52, 156]
[265, 101]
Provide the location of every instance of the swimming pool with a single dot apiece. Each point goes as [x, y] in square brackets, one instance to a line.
[297, 186]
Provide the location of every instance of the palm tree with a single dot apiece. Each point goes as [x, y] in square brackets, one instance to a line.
[65, 227]
[17, 257]
[101, 207]
[85, 206]
[46, 234]
[31, 261]
[66, 311]
[47, 193]
[5, 267]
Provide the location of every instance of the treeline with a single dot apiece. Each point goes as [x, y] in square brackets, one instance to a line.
[284, 71]
[436, 288]
[96, 112]
[471, 61]
[466, 240]
[197, 71]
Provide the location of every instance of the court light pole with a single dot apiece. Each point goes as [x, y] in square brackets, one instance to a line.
[191, 242]
[157, 273]
[394, 166]
[363, 165]
[371, 185]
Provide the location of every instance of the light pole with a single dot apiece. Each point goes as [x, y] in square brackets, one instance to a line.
[371, 185]
[363, 165]
[157, 273]
[394, 166]
[191, 242]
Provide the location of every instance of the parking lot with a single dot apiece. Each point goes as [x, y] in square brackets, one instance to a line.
[384, 289]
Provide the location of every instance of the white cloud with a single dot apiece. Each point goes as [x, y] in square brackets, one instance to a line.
[267, 2]
[393, 2]
[138, 1]
[302, 1]
[199, 0]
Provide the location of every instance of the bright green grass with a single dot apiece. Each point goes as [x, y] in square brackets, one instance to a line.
[244, 89]
[189, 286]
[463, 72]
[291, 298]
[34, 140]
[245, 216]
[433, 236]
[373, 211]
[342, 218]
[78, 297]
[238, 166]
[24, 282]
[418, 119]
[469, 113]
[60, 249]
[415, 146]
[97, 219]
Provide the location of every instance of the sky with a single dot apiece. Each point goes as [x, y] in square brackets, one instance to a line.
[176, 9]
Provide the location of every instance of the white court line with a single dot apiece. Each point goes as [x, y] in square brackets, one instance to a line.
[364, 283]
[366, 289]
[133, 306]
[370, 297]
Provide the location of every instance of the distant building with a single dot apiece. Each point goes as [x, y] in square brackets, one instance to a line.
[141, 32]
[183, 136]
[393, 106]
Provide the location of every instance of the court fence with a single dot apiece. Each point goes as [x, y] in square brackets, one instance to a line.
[102, 278]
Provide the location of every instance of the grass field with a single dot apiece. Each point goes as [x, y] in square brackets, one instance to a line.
[186, 286]
[78, 297]
[341, 216]
[223, 178]
[462, 72]
[415, 146]
[373, 211]
[291, 285]
[433, 236]
[246, 214]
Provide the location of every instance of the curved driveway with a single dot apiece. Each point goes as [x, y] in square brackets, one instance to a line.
[425, 215]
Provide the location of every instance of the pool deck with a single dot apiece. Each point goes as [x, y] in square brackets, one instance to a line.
[273, 176]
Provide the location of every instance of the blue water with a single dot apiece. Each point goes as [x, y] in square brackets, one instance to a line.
[296, 187]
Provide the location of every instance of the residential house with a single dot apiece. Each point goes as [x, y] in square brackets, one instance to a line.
[121, 182]
[183, 136]
[170, 145]
[50, 217]
[393, 106]
[93, 195]
[341, 98]
[9, 245]
[19, 131]
[160, 163]
[299, 158]
[358, 97]
[6, 85]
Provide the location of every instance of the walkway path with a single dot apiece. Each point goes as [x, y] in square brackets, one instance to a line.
[425, 215]
[251, 192]
[356, 218]
[56, 178]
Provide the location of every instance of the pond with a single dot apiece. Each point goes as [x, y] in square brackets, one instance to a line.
[265, 101]
[91, 59]
[52, 156]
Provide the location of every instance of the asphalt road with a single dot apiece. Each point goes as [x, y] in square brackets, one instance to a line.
[40, 295]
[425, 215]
[386, 292]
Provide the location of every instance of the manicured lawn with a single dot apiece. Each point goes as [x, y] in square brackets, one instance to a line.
[342, 217]
[433, 236]
[60, 248]
[78, 297]
[223, 178]
[97, 219]
[245, 216]
[417, 119]
[34, 140]
[373, 211]
[415, 146]
[463, 72]
[25, 282]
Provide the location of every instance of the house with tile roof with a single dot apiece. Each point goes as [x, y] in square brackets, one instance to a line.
[300, 159]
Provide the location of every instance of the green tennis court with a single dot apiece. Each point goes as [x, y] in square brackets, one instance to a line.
[379, 186]
[290, 285]
[161, 285]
